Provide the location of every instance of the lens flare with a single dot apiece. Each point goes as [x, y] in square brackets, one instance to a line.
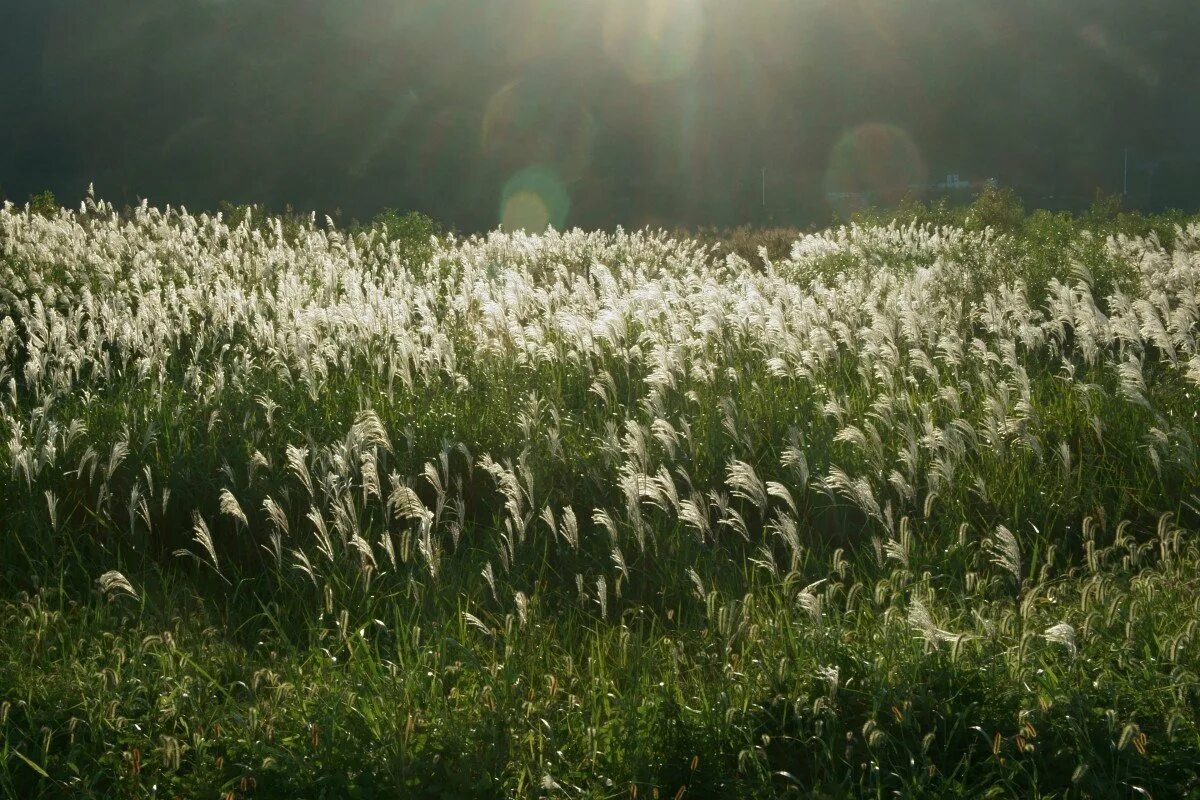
[1097, 38]
[872, 164]
[534, 199]
[385, 133]
[372, 22]
[776, 32]
[524, 211]
[444, 145]
[527, 31]
[527, 124]
[653, 40]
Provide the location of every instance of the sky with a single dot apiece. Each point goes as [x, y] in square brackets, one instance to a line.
[597, 113]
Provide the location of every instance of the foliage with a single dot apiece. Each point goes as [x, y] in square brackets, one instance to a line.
[747, 242]
[412, 233]
[909, 509]
[43, 203]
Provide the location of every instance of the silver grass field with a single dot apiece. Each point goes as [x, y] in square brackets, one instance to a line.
[287, 513]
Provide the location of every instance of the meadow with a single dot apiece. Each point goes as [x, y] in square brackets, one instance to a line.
[905, 508]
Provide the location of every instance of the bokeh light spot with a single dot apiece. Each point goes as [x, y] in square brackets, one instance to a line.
[874, 164]
[532, 200]
[653, 40]
[524, 211]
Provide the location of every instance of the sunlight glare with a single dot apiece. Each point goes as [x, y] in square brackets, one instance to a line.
[653, 40]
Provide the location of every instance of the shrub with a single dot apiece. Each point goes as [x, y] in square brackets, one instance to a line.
[43, 203]
[997, 208]
[411, 232]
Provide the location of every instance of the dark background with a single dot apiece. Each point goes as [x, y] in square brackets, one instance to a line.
[616, 112]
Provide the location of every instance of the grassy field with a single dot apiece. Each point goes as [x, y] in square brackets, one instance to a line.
[288, 512]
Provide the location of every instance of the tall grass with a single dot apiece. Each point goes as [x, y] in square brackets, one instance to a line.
[311, 513]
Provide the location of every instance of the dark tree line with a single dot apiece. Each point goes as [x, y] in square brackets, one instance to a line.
[365, 104]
